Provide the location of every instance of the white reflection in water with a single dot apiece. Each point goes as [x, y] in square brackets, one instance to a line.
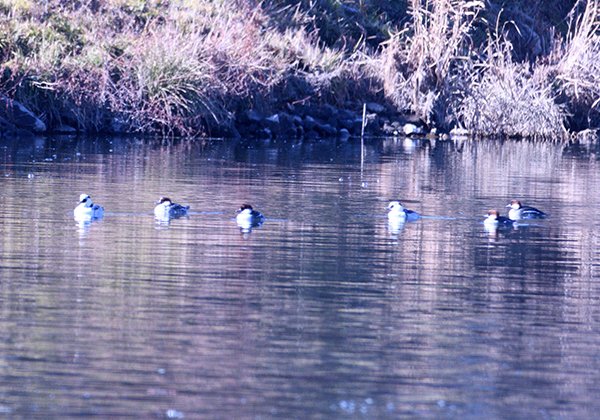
[165, 220]
[409, 145]
[84, 225]
[246, 225]
[396, 224]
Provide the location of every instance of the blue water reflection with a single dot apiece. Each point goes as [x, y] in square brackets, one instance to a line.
[325, 310]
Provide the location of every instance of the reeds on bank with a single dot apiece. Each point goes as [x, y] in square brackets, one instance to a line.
[190, 67]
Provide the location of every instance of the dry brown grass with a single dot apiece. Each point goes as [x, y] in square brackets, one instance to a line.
[419, 65]
[173, 72]
[433, 69]
[578, 64]
[509, 98]
[187, 67]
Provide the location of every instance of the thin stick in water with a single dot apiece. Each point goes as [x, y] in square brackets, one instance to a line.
[364, 121]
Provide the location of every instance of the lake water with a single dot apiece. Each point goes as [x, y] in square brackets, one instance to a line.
[324, 311]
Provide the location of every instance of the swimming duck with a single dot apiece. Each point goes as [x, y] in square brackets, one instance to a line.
[166, 209]
[494, 220]
[87, 210]
[397, 211]
[518, 211]
[247, 216]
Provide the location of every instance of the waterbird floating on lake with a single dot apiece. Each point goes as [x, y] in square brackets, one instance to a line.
[87, 210]
[165, 209]
[518, 211]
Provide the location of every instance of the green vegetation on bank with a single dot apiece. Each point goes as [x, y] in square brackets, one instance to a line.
[191, 67]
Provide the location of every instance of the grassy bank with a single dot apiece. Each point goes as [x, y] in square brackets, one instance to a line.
[189, 67]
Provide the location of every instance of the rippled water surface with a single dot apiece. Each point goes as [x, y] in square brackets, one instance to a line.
[324, 311]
